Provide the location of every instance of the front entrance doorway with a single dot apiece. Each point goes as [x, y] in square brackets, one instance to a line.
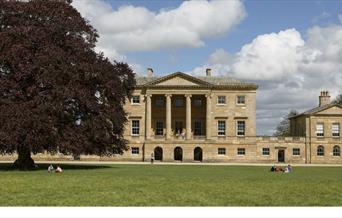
[281, 156]
[178, 154]
[198, 154]
[158, 153]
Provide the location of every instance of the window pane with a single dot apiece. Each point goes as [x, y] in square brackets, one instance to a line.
[178, 102]
[320, 151]
[135, 127]
[241, 151]
[135, 99]
[159, 101]
[221, 99]
[221, 126]
[241, 128]
[319, 129]
[336, 129]
[336, 151]
[240, 99]
[159, 128]
[197, 102]
[265, 151]
[135, 150]
[199, 128]
[296, 151]
[221, 151]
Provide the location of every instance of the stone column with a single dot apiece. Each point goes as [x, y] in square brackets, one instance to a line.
[148, 116]
[208, 116]
[168, 116]
[188, 116]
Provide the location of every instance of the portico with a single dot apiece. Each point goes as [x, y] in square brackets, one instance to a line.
[174, 116]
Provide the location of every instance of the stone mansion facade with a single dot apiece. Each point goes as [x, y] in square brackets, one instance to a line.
[183, 118]
[179, 117]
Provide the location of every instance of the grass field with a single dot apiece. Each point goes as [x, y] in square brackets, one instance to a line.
[171, 185]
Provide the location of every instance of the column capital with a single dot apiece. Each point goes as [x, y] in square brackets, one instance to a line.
[148, 95]
[168, 95]
[209, 95]
[188, 95]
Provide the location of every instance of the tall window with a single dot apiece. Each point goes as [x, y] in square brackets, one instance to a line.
[197, 102]
[178, 102]
[296, 151]
[319, 129]
[335, 129]
[320, 150]
[266, 151]
[241, 126]
[135, 150]
[336, 151]
[241, 151]
[159, 101]
[178, 127]
[135, 127]
[159, 128]
[241, 99]
[221, 99]
[221, 127]
[198, 128]
[221, 151]
[135, 99]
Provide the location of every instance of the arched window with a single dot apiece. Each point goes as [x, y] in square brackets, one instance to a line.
[320, 150]
[336, 150]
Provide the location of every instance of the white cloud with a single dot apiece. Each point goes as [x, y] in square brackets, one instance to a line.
[131, 28]
[291, 71]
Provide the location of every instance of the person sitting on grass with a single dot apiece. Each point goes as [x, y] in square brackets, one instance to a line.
[286, 169]
[58, 169]
[50, 168]
[290, 168]
[273, 168]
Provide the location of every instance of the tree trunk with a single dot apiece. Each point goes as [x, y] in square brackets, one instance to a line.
[24, 161]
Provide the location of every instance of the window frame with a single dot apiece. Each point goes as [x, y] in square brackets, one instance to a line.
[138, 98]
[337, 133]
[179, 100]
[237, 100]
[238, 131]
[220, 131]
[221, 151]
[320, 151]
[195, 102]
[135, 150]
[201, 127]
[336, 153]
[135, 127]
[294, 151]
[159, 99]
[264, 153]
[223, 98]
[157, 128]
[241, 151]
[318, 131]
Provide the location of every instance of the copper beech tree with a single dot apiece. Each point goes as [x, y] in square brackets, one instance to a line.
[56, 92]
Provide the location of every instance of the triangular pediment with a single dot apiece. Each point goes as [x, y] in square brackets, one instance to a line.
[178, 79]
[333, 110]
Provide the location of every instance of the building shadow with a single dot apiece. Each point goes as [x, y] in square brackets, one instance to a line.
[44, 166]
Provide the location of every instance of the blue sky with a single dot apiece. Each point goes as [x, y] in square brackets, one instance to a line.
[262, 17]
[291, 49]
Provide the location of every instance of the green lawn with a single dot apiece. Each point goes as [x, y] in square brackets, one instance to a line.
[171, 185]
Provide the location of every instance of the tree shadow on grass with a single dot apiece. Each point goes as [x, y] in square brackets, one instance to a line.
[44, 166]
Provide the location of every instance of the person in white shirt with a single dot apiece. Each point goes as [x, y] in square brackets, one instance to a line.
[50, 168]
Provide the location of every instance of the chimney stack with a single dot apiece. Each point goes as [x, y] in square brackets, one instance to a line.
[324, 98]
[208, 72]
[149, 72]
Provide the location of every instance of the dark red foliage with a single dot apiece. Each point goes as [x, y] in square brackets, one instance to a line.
[56, 93]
